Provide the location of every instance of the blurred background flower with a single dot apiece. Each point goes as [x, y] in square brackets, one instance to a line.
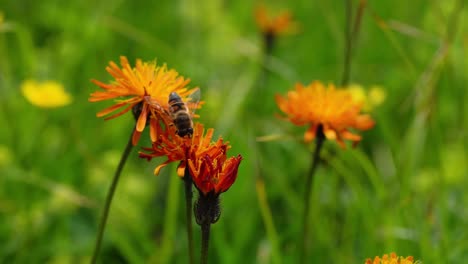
[319, 105]
[391, 259]
[371, 98]
[47, 94]
[277, 24]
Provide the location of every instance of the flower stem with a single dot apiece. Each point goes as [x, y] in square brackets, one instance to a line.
[205, 228]
[348, 43]
[268, 44]
[110, 195]
[207, 211]
[351, 34]
[320, 138]
[188, 212]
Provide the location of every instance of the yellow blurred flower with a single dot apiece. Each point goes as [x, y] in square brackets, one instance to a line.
[358, 93]
[5, 25]
[6, 156]
[48, 94]
[376, 95]
[369, 100]
[392, 259]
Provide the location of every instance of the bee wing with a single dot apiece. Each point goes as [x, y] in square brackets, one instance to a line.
[193, 101]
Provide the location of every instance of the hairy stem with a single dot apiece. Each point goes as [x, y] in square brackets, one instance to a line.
[110, 195]
[205, 228]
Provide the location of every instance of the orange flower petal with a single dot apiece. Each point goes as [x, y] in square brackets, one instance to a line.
[181, 169]
[135, 137]
[141, 122]
[154, 129]
[110, 109]
[157, 170]
[120, 113]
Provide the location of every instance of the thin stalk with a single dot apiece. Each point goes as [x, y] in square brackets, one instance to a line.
[169, 229]
[269, 40]
[205, 228]
[309, 186]
[351, 34]
[268, 222]
[110, 195]
[188, 212]
[260, 92]
[348, 43]
[357, 20]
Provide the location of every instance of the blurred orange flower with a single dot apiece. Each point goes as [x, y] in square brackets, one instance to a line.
[145, 87]
[333, 109]
[392, 259]
[278, 25]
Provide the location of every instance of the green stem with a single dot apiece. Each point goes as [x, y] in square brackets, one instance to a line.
[320, 138]
[110, 195]
[348, 43]
[351, 34]
[188, 211]
[205, 227]
[268, 44]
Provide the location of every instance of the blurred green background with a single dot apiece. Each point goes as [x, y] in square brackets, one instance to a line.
[405, 182]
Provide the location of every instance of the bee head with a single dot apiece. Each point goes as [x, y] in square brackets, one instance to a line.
[173, 96]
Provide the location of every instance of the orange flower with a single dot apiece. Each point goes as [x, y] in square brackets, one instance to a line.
[146, 87]
[213, 172]
[333, 109]
[176, 148]
[392, 259]
[279, 25]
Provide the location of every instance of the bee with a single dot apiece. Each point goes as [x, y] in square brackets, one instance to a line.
[181, 112]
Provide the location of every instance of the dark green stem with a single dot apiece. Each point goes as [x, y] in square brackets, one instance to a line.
[205, 228]
[351, 35]
[268, 44]
[320, 138]
[110, 195]
[348, 43]
[260, 85]
[188, 211]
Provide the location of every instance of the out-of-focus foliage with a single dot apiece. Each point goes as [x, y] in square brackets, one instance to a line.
[404, 184]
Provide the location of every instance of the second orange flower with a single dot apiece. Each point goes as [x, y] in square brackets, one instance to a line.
[319, 106]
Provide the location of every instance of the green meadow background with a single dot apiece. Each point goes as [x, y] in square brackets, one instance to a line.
[404, 185]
